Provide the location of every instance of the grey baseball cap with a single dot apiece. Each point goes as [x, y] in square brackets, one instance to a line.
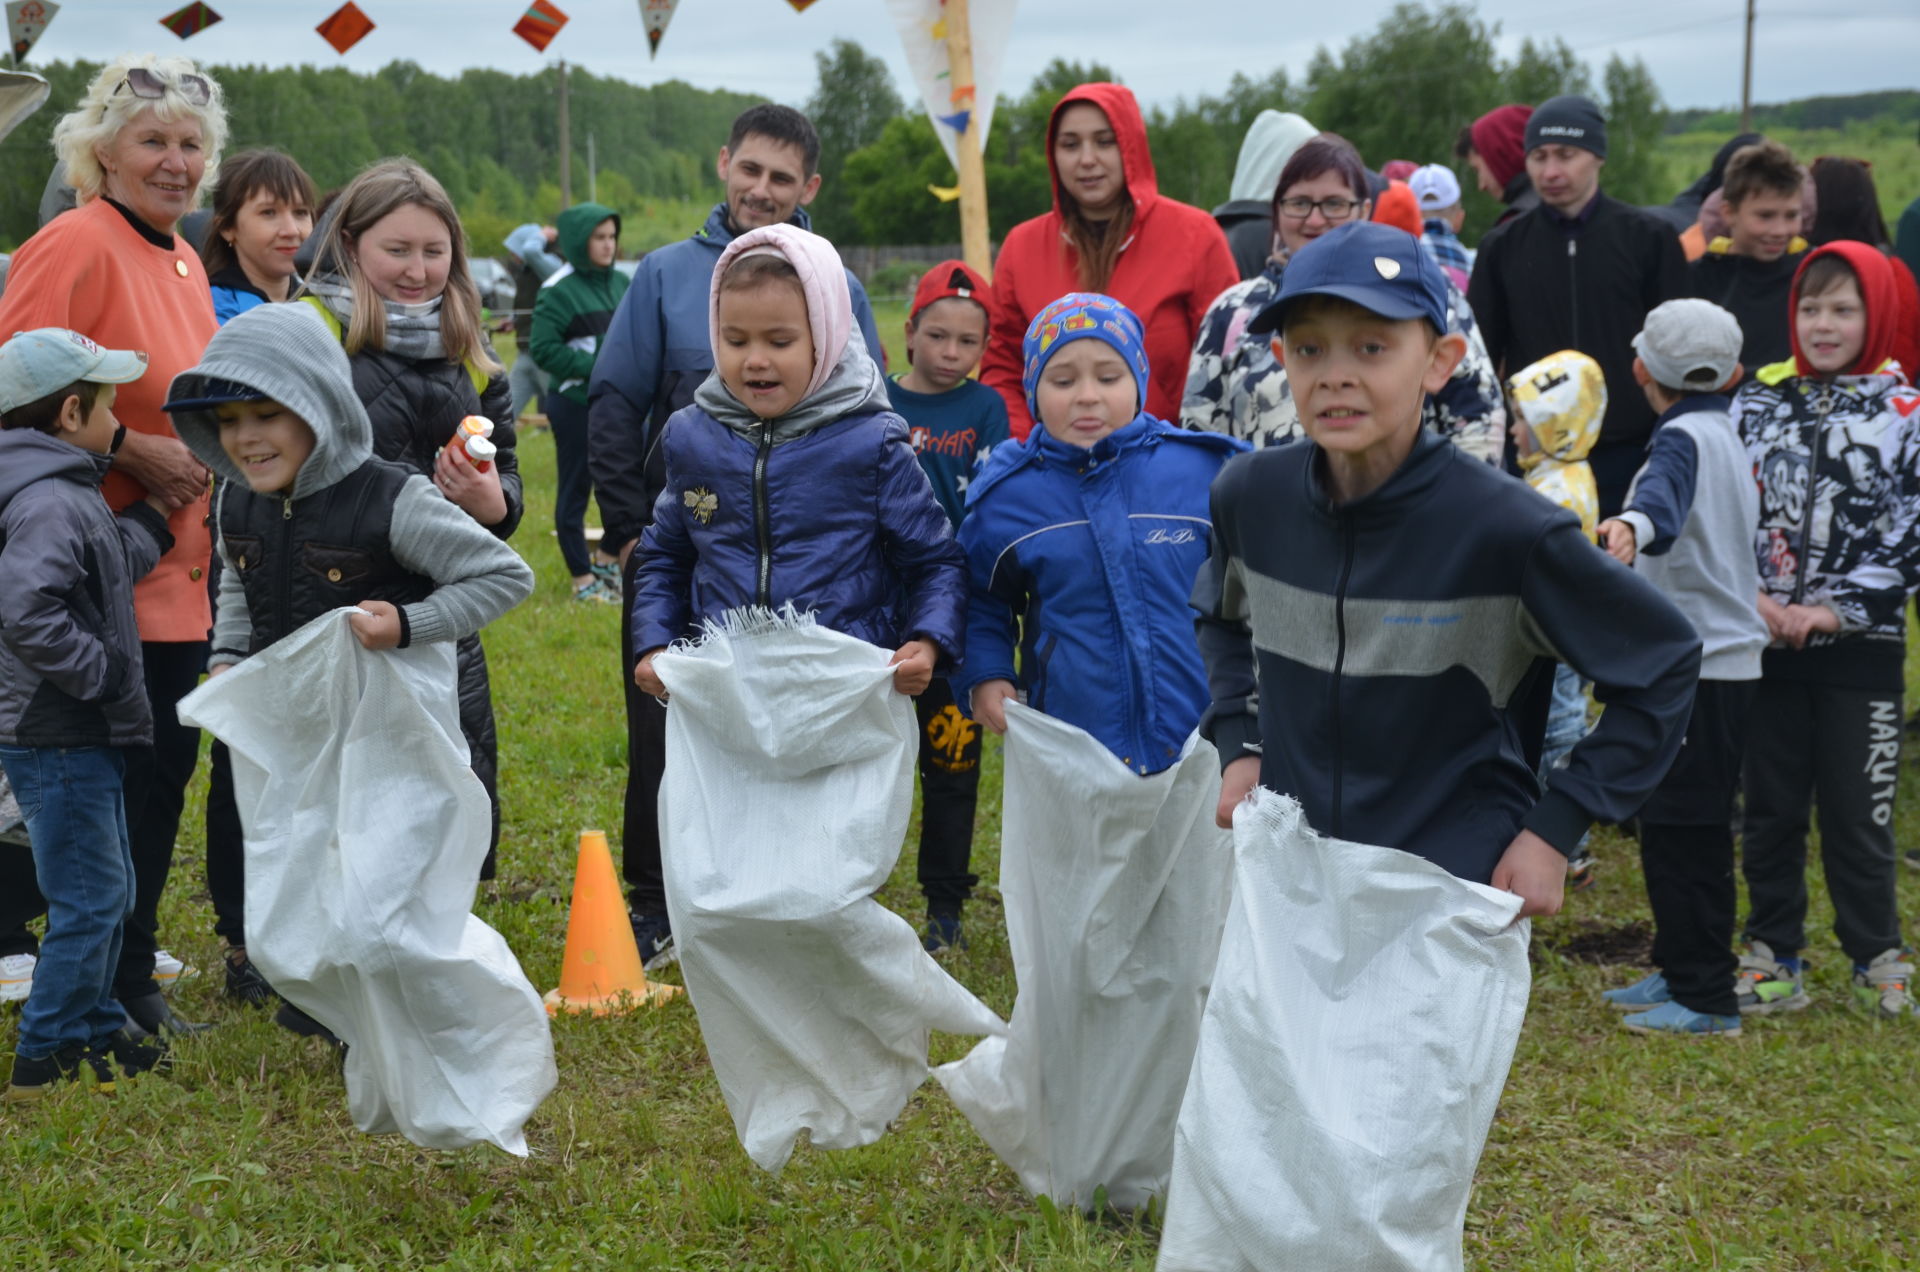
[1692, 345]
[47, 359]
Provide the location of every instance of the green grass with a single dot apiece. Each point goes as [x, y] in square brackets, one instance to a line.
[1888, 147]
[1793, 1148]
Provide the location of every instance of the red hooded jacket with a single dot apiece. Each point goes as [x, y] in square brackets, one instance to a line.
[1169, 271]
[1879, 291]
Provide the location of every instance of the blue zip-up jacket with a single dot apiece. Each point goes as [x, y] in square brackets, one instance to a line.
[1088, 555]
[651, 360]
[840, 521]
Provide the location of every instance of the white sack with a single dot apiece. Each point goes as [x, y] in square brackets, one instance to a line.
[788, 788]
[365, 830]
[1116, 888]
[1364, 1014]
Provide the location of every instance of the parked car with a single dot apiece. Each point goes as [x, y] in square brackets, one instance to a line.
[494, 282]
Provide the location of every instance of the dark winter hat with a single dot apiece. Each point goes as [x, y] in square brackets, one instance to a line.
[1568, 121]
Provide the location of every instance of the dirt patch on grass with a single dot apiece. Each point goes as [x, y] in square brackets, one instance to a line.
[1604, 943]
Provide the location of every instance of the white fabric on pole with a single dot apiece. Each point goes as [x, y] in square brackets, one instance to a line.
[788, 788]
[365, 830]
[1364, 1014]
[1115, 888]
[991, 22]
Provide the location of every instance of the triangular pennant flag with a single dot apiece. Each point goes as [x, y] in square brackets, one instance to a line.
[799, 6]
[190, 21]
[26, 23]
[946, 194]
[345, 27]
[956, 121]
[966, 108]
[656, 14]
[539, 24]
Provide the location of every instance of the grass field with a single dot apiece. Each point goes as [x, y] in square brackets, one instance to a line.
[1795, 1147]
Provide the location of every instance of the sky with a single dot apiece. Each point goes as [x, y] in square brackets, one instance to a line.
[1164, 49]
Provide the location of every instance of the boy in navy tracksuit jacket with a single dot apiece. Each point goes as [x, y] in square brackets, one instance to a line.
[953, 422]
[1403, 606]
[1083, 542]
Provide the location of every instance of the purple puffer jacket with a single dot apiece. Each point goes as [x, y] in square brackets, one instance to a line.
[840, 520]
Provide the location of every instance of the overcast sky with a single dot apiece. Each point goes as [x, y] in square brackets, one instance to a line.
[1165, 49]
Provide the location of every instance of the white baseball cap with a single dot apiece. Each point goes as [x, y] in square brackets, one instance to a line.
[1435, 186]
[46, 360]
[1690, 344]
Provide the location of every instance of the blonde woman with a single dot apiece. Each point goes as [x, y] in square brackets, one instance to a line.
[391, 276]
[137, 149]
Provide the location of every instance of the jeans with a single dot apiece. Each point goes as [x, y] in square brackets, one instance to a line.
[1567, 721]
[526, 382]
[72, 801]
[568, 420]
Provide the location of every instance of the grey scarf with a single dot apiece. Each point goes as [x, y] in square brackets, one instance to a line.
[413, 331]
[856, 386]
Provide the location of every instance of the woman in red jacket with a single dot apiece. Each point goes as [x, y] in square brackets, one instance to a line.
[1110, 231]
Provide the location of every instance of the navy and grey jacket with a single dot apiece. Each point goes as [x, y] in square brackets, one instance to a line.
[1403, 645]
[70, 672]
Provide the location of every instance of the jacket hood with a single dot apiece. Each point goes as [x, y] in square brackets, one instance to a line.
[576, 226]
[822, 277]
[288, 353]
[1562, 398]
[1499, 137]
[1122, 110]
[1877, 289]
[716, 231]
[1269, 143]
[28, 455]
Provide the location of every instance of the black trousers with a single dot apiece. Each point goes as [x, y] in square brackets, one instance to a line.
[1686, 850]
[20, 901]
[156, 792]
[646, 762]
[949, 790]
[483, 741]
[226, 850]
[1839, 749]
[568, 421]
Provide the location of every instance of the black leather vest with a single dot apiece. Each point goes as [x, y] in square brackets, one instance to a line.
[298, 559]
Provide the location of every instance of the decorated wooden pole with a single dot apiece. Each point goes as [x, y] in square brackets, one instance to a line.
[975, 244]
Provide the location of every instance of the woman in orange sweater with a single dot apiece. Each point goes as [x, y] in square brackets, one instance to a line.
[136, 149]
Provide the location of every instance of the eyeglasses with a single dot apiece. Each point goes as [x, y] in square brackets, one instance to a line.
[1334, 209]
[143, 83]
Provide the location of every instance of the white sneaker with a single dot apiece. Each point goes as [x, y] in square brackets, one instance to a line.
[167, 969]
[16, 977]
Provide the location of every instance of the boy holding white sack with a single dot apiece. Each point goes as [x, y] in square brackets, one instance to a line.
[1083, 542]
[351, 775]
[798, 583]
[1380, 618]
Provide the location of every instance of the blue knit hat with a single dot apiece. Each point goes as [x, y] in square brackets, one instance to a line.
[1081, 316]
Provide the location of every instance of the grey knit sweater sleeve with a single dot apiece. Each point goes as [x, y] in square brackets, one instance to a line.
[232, 620]
[478, 577]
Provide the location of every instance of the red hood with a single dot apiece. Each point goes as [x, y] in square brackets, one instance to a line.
[1876, 290]
[1117, 102]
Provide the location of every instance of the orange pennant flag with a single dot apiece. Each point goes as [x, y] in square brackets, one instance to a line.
[345, 27]
[539, 24]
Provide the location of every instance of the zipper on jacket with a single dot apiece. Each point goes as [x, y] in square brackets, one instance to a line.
[1339, 666]
[1573, 287]
[283, 568]
[762, 519]
[1823, 407]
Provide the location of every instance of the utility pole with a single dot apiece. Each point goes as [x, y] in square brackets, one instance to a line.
[566, 143]
[1746, 77]
[593, 172]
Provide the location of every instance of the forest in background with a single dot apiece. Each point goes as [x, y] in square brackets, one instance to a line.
[1400, 91]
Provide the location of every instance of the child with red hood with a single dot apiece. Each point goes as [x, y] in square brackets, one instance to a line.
[1110, 231]
[1834, 435]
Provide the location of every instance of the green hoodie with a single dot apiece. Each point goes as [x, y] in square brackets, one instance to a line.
[576, 305]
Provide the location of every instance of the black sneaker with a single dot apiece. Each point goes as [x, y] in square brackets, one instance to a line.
[34, 1077]
[244, 981]
[653, 933]
[1912, 858]
[135, 1056]
[292, 1018]
[943, 934]
[155, 1015]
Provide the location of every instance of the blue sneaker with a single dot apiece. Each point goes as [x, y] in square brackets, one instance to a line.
[1672, 1018]
[943, 935]
[1647, 992]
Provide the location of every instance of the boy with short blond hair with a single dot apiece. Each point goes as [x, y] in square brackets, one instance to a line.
[1749, 270]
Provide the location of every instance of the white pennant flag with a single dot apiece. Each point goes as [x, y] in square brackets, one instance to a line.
[923, 33]
[26, 23]
[656, 14]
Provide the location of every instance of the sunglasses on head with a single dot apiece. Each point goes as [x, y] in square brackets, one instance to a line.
[143, 83]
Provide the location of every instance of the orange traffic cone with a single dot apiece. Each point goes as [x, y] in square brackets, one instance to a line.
[601, 972]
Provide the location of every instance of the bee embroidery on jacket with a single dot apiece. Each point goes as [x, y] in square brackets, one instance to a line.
[703, 503]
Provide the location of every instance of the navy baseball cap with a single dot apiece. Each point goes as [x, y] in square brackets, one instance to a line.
[214, 393]
[1379, 268]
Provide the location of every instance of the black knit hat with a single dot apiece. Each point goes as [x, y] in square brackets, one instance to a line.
[1568, 121]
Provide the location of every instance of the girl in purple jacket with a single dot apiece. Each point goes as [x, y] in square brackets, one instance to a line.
[791, 481]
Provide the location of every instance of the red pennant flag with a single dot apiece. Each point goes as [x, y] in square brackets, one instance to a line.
[190, 21]
[539, 24]
[799, 6]
[345, 27]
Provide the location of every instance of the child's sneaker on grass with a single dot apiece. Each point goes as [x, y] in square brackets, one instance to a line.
[16, 977]
[1765, 985]
[36, 1077]
[607, 574]
[1650, 991]
[291, 1018]
[653, 933]
[135, 1056]
[1580, 869]
[1672, 1018]
[167, 969]
[244, 981]
[943, 934]
[594, 592]
[1912, 858]
[1882, 985]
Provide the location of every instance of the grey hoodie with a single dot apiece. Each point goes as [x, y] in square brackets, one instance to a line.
[70, 671]
[288, 353]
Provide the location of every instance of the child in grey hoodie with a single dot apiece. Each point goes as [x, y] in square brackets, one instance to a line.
[307, 520]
